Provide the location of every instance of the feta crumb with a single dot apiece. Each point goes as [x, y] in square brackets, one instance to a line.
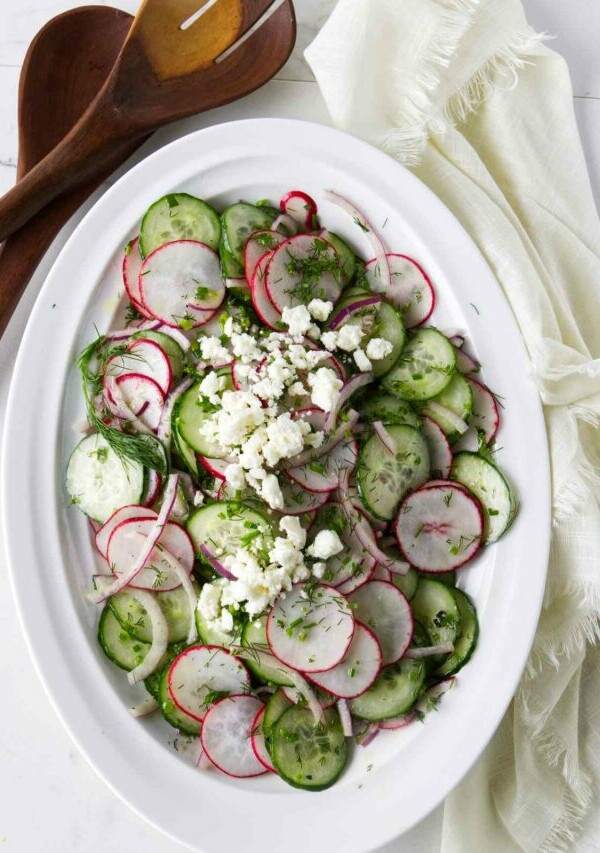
[285, 438]
[297, 389]
[318, 569]
[320, 309]
[245, 347]
[234, 474]
[297, 319]
[271, 492]
[362, 362]
[349, 337]
[212, 350]
[327, 543]
[294, 531]
[211, 385]
[198, 498]
[325, 388]
[379, 348]
[329, 340]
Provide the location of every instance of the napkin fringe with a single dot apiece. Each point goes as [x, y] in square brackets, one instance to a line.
[579, 487]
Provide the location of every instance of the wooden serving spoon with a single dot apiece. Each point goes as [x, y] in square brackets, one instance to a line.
[64, 69]
[177, 60]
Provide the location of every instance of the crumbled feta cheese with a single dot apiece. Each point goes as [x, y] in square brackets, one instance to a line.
[209, 606]
[228, 327]
[378, 348]
[212, 350]
[234, 474]
[297, 319]
[297, 389]
[349, 337]
[320, 309]
[294, 531]
[362, 362]
[211, 385]
[329, 340]
[271, 492]
[245, 347]
[327, 543]
[318, 569]
[325, 388]
[198, 498]
[285, 439]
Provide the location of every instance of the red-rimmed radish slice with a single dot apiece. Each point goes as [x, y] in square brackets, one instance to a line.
[227, 736]
[297, 500]
[440, 452]
[181, 283]
[240, 381]
[330, 361]
[132, 265]
[285, 225]
[259, 244]
[466, 363]
[158, 574]
[382, 607]
[301, 208]
[284, 276]
[351, 567]
[260, 300]
[257, 739]
[153, 486]
[323, 476]
[398, 722]
[144, 396]
[358, 669]
[144, 358]
[200, 671]
[439, 528]
[353, 308]
[214, 466]
[410, 290]
[360, 578]
[296, 694]
[485, 414]
[125, 513]
[310, 628]
[382, 574]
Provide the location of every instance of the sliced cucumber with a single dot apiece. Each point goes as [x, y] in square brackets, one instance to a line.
[239, 221]
[434, 605]
[189, 415]
[173, 715]
[465, 643]
[381, 321]
[117, 644]
[307, 754]
[211, 636]
[99, 482]
[277, 704]
[395, 691]
[406, 583]
[384, 478]
[134, 619]
[425, 367]
[179, 216]
[227, 525]
[448, 578]
[489, 484]
[254, 636]
[173, 351]
[345, 254]
[182, 448]
[389, 410]
[152, 683]
[458, 397]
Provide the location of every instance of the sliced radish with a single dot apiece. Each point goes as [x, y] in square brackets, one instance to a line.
[296, 694]
[297, 500]
[241, 382]
[227, 736]
[353, 384]
[384, 609]
[398, 722]
[466, 363]
[439, 528]
[310, 629]
[214, 466]
[285, 225]
[286, 282]
[144, 358]
[181, 283]
[144, 396]
[259, 244]
[301, 208]
[126, 542]
[440, 451]
[200, 671]
[323, 475]
[410, 290]
[358, 669]
[125, 513]
[331, 361]
[485, 414]
[153, 486]
[132, 265]
[257, 740]
[260, 300]
[360, 578]
[382, 574]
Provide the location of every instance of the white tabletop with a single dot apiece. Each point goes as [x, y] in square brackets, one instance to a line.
[50, 798]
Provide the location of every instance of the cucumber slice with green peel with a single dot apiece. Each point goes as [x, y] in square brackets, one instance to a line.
[254, 636]
[406, 583]
[490, 485]
[384, 478]
[152, 683]
[228, 526]
[211, 636]
[278, 703]
[133, 617]
[465, 643]
[177, 718]
[458, 397]
[190, 413]
[448, 578]
[434, 605]
[395, 691]
[238, 222]
[179, 216]
[175, 354]
[389, 410]
[307, 754]
[99, 482]
[230, 267]
[425, 368]
[345, 254]
[381, 321]
[117, 644]
[182, 448]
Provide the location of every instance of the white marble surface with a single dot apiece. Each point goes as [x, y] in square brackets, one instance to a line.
[50, 799]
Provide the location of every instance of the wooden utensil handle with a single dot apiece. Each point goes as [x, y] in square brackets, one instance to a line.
[83, 154]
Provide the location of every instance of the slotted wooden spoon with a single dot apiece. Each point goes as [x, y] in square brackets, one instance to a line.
[174, 63]
[65, 67]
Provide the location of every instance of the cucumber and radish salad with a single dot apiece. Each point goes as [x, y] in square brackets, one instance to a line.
[285, 465]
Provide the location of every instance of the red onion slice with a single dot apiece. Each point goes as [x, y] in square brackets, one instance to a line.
[353, 308]
[370, 734]
[165, 430]
[188, 588]
[384, 437]
[145, 707]
[378, 247]
[345, 718]
[429, 651]
[216, 564]
[346, 391]
[315, 453]
[432, 409]
[140, 326]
